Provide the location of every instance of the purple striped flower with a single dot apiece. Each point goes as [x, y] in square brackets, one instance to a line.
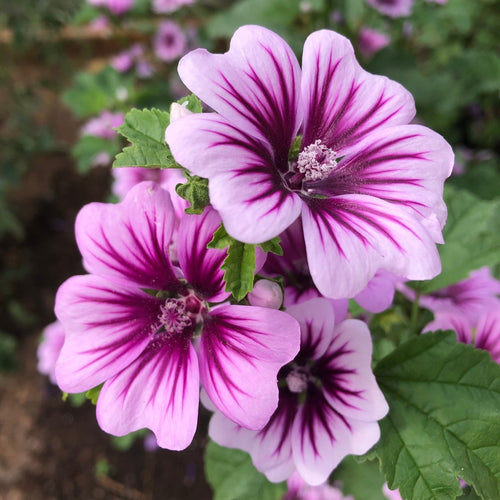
[329, 402]
[329, 143]
[151, 332]
[483, 333]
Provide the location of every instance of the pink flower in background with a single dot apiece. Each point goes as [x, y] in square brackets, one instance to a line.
[170, 42]
[470, 297]
[391, 494]
[371, 41]
[392, 8]
[116, 7]
[483, 334]
[328, 407]
[167, 6]
[49, 349]
[100, 23]
[329, 143]
[145, 329]
[103, 125]
[298, 489]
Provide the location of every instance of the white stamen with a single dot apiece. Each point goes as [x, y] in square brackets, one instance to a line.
[297, 381]
[316, 161]
[173, 316]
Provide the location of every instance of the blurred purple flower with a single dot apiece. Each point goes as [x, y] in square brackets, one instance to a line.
[103, 125]
[170, 41]
[392, 8]
[49, 350]
[371, 41]
[298, 489]
[167, 6]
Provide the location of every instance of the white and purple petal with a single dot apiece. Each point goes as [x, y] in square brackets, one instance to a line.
[128, 242]
[406, 165]
[245, 184]
[255, 85]
[158, 391]
[201, 265]
[451, 320]
[342, 102]
[348, 238]
[107, 328]
[241, 351]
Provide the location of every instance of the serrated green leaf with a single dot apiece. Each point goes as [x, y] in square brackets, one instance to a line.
[193, 103]
[471, 236]
[194, 190]
[233, 477]
[88, 147]
[272, 246]
[221, 239]
[93, 394]
[239, 267]
[444, 418]
[145, 129]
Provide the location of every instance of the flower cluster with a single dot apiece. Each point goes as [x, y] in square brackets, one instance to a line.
[323, 156]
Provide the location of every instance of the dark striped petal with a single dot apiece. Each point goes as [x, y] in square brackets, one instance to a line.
[128, 242]
[348, 238]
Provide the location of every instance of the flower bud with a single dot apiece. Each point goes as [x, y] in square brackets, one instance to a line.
[266, 293]
[178, 111]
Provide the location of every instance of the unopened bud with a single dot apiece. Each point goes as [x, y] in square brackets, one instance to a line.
[178, 111]
[266, 293]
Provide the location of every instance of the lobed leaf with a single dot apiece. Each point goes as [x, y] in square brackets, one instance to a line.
[443, 423]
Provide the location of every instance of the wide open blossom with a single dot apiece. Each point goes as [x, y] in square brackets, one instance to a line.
[149, 331]
[330, 143]
[170, 42]
[371, 41]
[471, 297]
[483, 333]
[329, 402]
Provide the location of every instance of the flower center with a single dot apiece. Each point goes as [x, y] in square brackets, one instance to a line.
[174, 317]
[297, 380]
[316, 161]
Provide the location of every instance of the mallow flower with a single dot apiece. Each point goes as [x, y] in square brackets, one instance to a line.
[329, 143]
[151, 332]
[329, 402]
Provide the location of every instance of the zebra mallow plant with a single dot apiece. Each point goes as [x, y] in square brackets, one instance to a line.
[274, 272]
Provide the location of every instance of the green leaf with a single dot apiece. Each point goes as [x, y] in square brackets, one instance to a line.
[194, 190]
[88, 147]
[239, 267]
[93, 394]
[272, 246]
[193, 103]
[444, 418]
[232, 476]
[145, 129]
[471, 236]
[363, 481]
[221, 239]
[95, 92]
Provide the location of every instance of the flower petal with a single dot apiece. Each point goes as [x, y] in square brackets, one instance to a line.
[348, 238]
[378, 294]
[241, 351]
[451, 320]
[342, 102]
[406, 165]
[128, 242]
[488, 334]
[245, 185]
[106, 328]
[322, 437]
[158, 391]
[349, 385]
[201, 265]
[256, 85]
